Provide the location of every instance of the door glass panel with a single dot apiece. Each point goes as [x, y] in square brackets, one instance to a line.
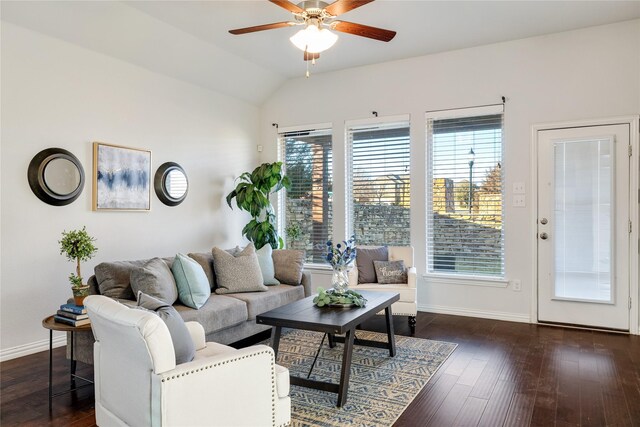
[583, 215]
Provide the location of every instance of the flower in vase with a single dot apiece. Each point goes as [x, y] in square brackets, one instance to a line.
[342, 254]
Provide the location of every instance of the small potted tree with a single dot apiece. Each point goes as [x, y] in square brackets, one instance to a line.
[77, 246]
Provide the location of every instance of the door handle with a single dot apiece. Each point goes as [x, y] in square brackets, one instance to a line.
[544, 236]
[544, 221]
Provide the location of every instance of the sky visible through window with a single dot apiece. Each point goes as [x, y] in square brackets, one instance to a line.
[451, 154]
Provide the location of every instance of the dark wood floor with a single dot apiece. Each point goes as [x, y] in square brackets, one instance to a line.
[501, 374]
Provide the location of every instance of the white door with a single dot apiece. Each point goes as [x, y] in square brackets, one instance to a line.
[583, 226]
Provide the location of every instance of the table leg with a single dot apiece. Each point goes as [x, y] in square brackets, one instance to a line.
[50, 367]
[72, 363]
[390, 335]
[275, 339]
[346, 367]
[332, 340]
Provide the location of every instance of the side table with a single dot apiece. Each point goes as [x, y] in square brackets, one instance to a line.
[50, 324]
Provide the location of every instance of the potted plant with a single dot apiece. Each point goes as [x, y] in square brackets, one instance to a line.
[252, 195]
[77, 246]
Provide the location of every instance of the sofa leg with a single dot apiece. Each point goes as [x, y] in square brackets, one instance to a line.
[412, 324]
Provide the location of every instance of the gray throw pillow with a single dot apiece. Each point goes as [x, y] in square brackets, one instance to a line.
[154, 278]
[113, 278]
[237, 273]
[288, 265]
[389, 272]
[183, 345]
[364, 260]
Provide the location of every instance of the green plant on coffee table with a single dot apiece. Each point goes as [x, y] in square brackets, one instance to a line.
[330, 297]
[252, 195]
[77, 246]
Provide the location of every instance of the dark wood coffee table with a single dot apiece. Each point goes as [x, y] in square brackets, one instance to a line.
[303, 314]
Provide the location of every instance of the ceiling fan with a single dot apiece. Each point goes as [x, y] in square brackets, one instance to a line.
[318, 17]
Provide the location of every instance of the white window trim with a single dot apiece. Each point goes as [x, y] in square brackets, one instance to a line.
[376, 121]
[465, 112]
[465, 280]
[461, 279]
[303, 128]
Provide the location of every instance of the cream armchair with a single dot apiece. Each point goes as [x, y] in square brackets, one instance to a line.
[408, 303]
[138, 383]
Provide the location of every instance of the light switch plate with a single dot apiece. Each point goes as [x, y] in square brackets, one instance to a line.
[518, 188]
[519, 201]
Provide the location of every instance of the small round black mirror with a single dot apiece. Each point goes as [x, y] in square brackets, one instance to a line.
[56, 176]
[171, 184]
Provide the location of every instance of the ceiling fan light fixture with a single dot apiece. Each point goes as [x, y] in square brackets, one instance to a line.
[313, 39]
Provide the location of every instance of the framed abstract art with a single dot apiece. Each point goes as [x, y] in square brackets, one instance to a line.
[121, 178]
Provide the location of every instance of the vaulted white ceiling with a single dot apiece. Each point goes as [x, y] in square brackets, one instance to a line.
[189, 40]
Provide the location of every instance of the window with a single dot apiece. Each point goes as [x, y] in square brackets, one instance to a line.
[465, 192]
[378, 182]
[306, 213]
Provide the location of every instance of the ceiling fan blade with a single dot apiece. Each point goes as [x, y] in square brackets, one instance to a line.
[273, 26]
[288, 5]
[339, 7]
[363, 30]
[308, 56]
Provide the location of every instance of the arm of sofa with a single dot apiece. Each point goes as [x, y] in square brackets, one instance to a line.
[306, 283]
[240, 378]
[197, 334]
[412, 277]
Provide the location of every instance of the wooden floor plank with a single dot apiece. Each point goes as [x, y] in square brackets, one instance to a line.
[471, 412]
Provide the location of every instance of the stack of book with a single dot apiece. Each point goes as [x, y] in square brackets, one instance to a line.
[71, 314]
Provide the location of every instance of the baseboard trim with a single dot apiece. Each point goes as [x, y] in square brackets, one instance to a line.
[31, 348]
[457, 311]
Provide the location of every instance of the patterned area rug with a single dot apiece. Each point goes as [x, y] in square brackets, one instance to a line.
[380, 387]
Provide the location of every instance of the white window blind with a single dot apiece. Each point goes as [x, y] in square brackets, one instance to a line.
[306, 209]
[378, 183]
[465, 192]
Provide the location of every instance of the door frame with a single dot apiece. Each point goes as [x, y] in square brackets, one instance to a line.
[634, 195]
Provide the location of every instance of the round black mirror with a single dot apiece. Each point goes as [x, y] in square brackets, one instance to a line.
[56, 176]
[171, 184]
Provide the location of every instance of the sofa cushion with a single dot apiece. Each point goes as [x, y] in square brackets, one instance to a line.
[364, 261]
[260, 302]
[214, 349]
[266, 265]
[288, 265]
[192, 282]
[154, 278]
[237, 273]
[219, 312]
[205, 259]
[183, 345]
[390, 271]
[406, 293]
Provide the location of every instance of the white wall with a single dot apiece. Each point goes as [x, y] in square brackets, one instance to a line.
[590, 73]
[55, 94]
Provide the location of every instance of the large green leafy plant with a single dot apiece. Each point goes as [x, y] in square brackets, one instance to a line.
[252, 195]
[77, 246]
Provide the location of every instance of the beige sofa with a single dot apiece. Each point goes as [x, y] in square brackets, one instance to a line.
[225, 318]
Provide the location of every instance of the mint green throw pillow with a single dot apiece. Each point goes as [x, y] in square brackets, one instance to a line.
[266, 265]
[192, 282]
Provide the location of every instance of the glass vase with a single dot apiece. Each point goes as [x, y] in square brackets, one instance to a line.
[340, 279]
